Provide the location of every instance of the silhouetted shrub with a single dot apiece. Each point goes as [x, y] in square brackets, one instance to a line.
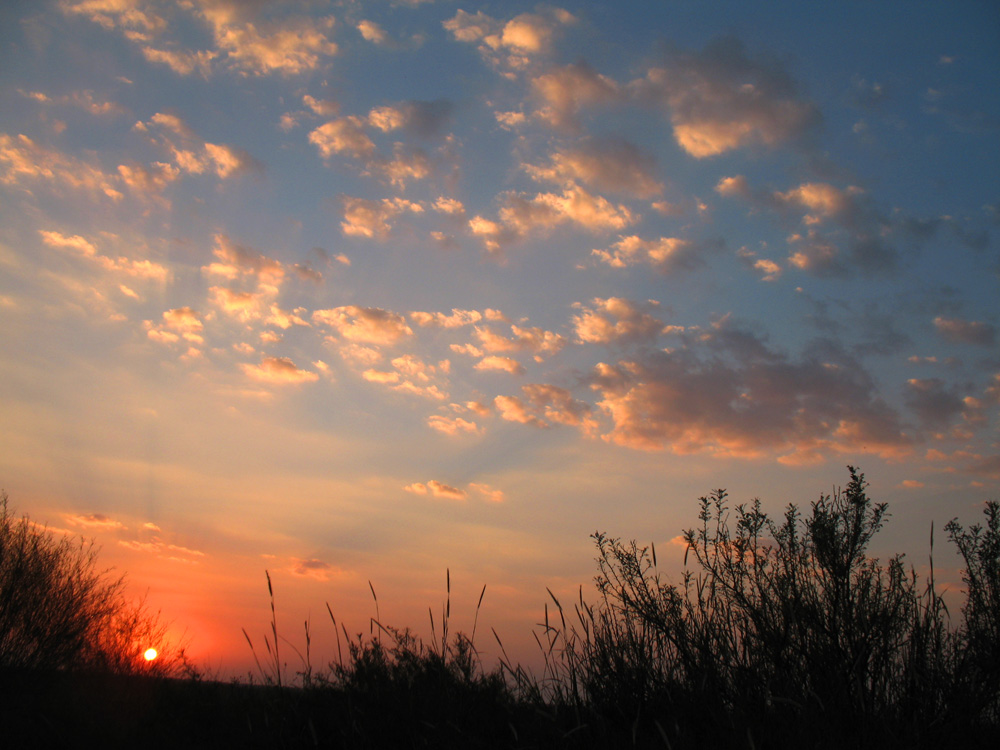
[787, 631]
[59, 611]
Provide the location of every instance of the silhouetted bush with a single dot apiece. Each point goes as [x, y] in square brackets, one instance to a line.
[788, 631]
[59, 611]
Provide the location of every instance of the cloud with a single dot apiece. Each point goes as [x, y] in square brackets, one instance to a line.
[164, 550]
[280, 371]
[412, 375]
[513, 409]
[933, 402]
[613, 319]
[193, 155]
[182, 62]
[721, 99]
[564, 91]
[372, 32]
[487, 492]
[83, 99]
[815, 248]
[558, 405]
[371, 218]
[178, 323]
[453, 425]
[127, 14]
[512, 43]
[77, 245]
[370, 325]
[76, 242]
[345, 135]
[317, 569]
[182, 319]
[426, 119]
[23, 160]
[544, 405]
[235, 260]
[536, 340]
[95, 521]
[966, 331]
[407, 164]
[666, 254]
[821, 199]
[243, 305]
[503, 364]
[815, 254]
[606, 164]
[466, 27]
[449, 206]
[284, 319]
[457, 318]
[289, 48]
[521, 215]
[768, 269]
[729, 393]
[150, 179]
[436, 489]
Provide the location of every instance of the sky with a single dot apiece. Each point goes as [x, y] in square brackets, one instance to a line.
[371, 294]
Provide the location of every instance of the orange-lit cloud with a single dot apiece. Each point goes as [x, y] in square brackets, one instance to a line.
[667, 254]
[436, 489]
[370, 325]
[22, 160]
[343, 136]
[279, 370]
[759, 402]
[521, 215]
[312, 568]
[722, 99]
[95, 521]
[564, 91]
[966, 331]
[373, 219]
[503, 364]
[457, 318]
[141, 269]
[164, 550]
[512, 43]
[487, 492]
[289, 48]
[607, 164]
[614, 319]
[453, 425]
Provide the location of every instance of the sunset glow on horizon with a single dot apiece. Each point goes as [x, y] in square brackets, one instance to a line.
[358, 292]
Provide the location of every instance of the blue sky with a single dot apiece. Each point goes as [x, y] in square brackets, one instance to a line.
[358, 291]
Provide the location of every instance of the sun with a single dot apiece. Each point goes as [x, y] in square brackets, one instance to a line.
[150, 654]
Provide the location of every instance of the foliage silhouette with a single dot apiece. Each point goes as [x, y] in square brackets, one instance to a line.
[787, 631]
[59, 611]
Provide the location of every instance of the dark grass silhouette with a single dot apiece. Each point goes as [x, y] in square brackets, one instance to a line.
[785, 634]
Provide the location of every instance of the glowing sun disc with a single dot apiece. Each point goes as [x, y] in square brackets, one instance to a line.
[150, 654]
